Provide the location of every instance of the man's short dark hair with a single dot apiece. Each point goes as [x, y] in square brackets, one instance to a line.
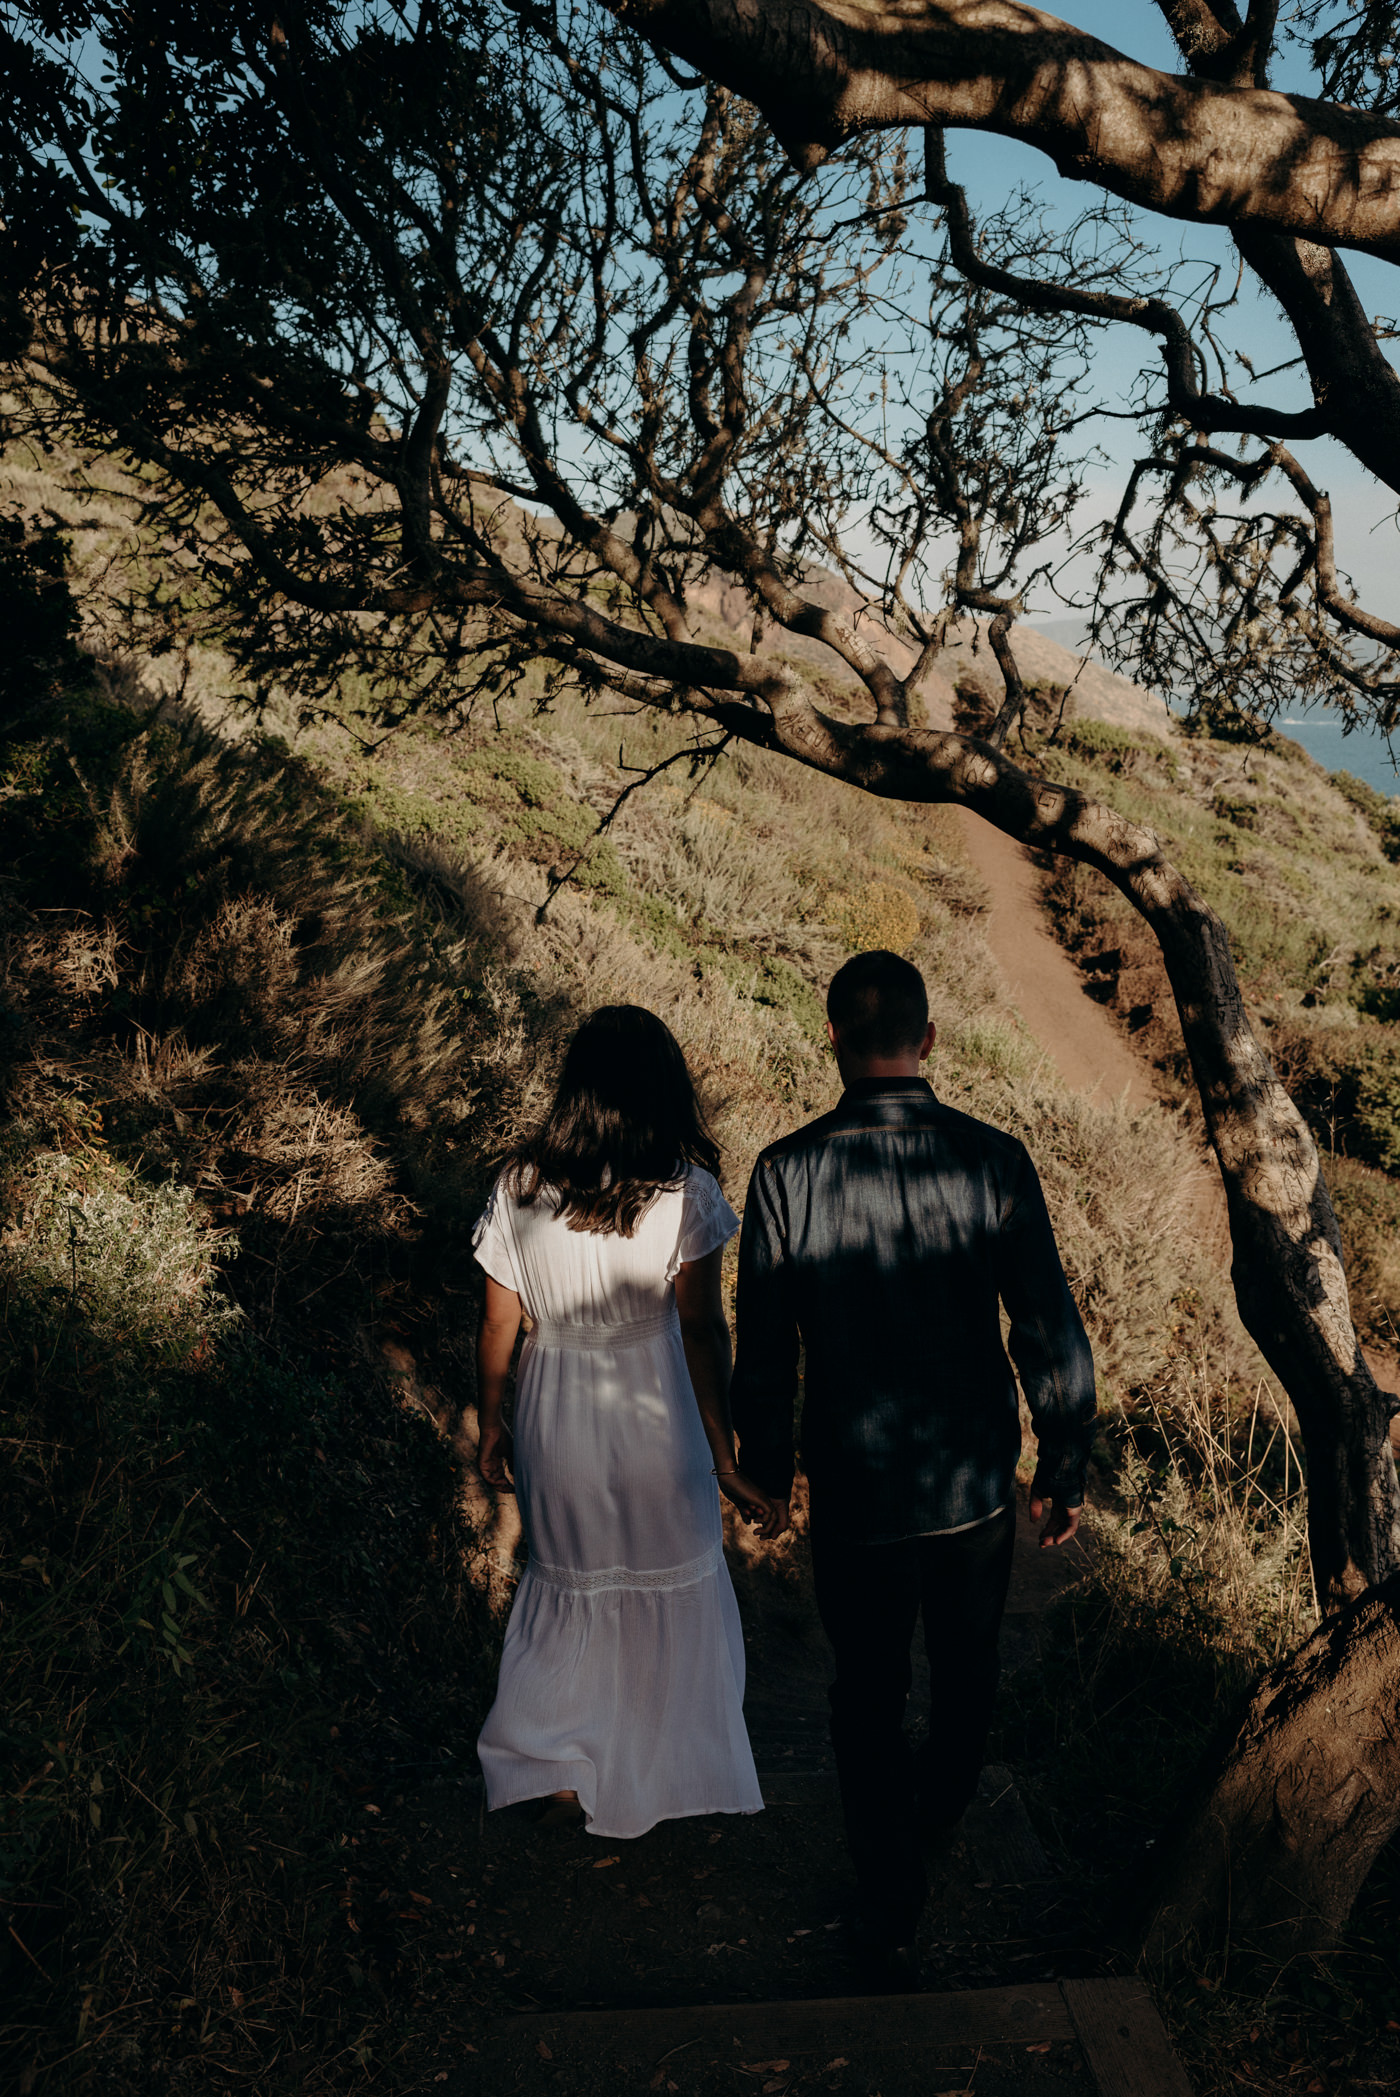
[878, 1004]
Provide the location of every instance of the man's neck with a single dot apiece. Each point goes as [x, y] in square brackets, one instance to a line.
[872, 1070]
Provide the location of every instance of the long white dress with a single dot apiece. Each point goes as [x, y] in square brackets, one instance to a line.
[622, 1676]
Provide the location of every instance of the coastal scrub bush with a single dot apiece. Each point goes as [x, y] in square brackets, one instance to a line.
[1380, 811]
[878, 914]
[493, 798]
[1345, 1078]
[1367, 1203]
[88, 1239]
[1104, 740]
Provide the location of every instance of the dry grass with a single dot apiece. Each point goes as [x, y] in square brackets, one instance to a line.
[241, 1059]
[283, 1009]
[1299, 866]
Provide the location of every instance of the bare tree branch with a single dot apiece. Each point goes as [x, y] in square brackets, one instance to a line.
[823, 71]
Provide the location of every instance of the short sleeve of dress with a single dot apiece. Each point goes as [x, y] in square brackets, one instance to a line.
[706, 1220]
[491, 1242]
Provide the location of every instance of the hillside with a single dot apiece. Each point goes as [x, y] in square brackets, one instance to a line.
[275, 1000]
[1301, 865]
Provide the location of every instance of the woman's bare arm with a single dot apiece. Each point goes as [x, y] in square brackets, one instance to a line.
[495, 1344]
[705, 1333]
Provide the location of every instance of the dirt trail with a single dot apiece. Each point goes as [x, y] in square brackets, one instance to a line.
[1048, 990]
[1086, 1047]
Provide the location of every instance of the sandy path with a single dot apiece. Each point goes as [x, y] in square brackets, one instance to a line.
[1083, 1042]
[1048, 991]
[1046, 987]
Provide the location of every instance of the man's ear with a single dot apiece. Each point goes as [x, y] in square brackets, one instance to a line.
[831, 1033]
[926, 1045]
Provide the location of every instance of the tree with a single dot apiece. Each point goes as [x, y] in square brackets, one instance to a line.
[461, 341]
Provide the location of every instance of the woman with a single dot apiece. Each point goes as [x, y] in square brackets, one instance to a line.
[622, 1678]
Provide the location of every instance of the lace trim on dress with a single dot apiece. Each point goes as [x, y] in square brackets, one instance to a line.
[615, 1576]
[629, 1332]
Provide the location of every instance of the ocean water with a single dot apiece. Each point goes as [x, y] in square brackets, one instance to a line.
[1363, 753]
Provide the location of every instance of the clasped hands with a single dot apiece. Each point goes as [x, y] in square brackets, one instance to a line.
[766, 1516]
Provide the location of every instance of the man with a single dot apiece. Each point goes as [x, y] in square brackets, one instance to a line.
[880, 1239]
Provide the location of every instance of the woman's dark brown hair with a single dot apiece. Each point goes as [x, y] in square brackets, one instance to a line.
[625, 1124]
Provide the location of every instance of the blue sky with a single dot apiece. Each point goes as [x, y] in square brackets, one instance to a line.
[992, 168]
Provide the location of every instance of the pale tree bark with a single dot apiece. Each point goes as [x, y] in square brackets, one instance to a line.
[1197, 149]
[1287, 1266]
[1276, 1846]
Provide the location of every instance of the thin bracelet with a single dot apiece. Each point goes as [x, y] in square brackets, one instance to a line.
[732, 1472]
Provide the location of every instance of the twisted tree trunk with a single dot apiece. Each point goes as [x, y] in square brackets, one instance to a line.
[1287, 1266]
[1280, 1838]
[1274, 1850]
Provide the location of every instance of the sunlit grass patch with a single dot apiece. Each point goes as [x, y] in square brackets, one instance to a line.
[125, 1263]
[878, 914]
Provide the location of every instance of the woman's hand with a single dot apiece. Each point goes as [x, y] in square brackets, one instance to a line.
[768, 1518]
[493, 1454]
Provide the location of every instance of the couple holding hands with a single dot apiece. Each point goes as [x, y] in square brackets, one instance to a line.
[879, 1242]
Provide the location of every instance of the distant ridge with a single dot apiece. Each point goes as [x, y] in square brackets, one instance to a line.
[1095, 693]
[1042, 654]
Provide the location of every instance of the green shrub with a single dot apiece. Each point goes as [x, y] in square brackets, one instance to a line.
[1367, 1204]
[532, 808]
[1346, 1081]
[1381, 811]
[497, 795]
[1238, 810]
[134, 1264]
[1378, 1101]
[876, 915]
[1102, 739]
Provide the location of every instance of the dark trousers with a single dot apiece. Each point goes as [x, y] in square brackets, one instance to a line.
[869, 1597]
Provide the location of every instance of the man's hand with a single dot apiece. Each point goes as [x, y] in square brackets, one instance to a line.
[767, 1517]
[1060, 1522]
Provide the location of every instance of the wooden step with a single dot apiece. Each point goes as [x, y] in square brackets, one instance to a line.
[1112, 2025]
[1123, 2040]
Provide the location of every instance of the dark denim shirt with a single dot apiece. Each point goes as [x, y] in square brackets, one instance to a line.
[880, 1238]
